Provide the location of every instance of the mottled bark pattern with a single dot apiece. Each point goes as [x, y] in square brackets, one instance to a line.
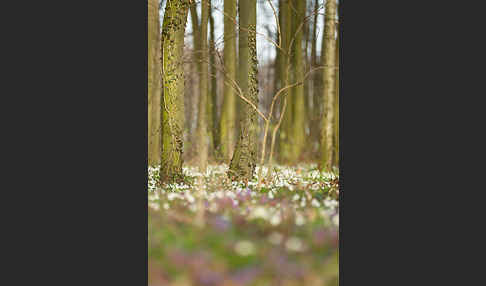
[173, 28]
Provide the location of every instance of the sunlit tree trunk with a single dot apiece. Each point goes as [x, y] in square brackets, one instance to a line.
[243, 163]
[228, 112]
[154, 78]
[329, 90]
[202, 132]
[173, 28]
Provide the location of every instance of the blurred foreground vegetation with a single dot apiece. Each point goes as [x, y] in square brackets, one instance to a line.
[286, 233]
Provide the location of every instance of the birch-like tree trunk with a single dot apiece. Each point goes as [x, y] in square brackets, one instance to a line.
[242, 166]
[228, 112]
[329, 90]
[175, 18]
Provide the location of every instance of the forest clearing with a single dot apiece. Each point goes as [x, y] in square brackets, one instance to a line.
[243, 142]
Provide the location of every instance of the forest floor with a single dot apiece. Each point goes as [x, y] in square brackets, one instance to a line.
[285, 233]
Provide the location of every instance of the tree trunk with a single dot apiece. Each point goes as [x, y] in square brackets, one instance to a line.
[228, 112]
[329, 90]
[243, 163]
[202, 132]
[213, 126]
[154, 78]
[284, 144]
[175, 18]
[336, 103]
[297, 93]
[314, 120]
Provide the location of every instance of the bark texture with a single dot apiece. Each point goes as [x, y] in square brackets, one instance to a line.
[154, 79]
[175, 18]
[329, 90]
[242, 166]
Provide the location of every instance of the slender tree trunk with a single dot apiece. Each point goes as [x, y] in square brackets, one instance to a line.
[175, 18]
[213, 126]
[243, 163]
[228, 112]
[315, 117]
[297, 93]
[154, 78]
[284, 143]
[336, 103]
[202, 129]
[329, 77]
[307, 83]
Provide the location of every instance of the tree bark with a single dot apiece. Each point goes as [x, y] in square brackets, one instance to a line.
[202, 132]
[228, 112]
[213, 126]
[336, 103]
[284, 143]
[154, 90]
[175, 18]
[329, 90]
[315, 112]
[297, 93]
[242, 166]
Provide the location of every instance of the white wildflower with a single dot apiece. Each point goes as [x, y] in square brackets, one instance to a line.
[275, 220]
[190, 198]
[335, 220]
[244, 248]
[275, 238]
[299, 219]
[303, 203]
[294, 244]
[270, 195]
[153, 205]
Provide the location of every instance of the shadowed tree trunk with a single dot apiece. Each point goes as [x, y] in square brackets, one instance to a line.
[228, 112]
[297, 73]
[314, 119]
[154, 78]
[243, 163]
[213, 126]
[173, 28]
[284, 144]
[329, 91]
[336, 103]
